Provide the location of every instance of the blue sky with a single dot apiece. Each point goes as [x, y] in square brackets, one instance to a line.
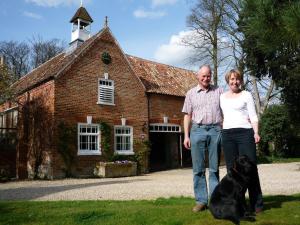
[149, 29]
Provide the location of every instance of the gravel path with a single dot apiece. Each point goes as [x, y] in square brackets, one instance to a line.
[275, 179]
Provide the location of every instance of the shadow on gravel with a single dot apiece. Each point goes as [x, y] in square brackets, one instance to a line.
[31, 193]
[276, 201]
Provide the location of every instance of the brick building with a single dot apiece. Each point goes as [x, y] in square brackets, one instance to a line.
[61, 105]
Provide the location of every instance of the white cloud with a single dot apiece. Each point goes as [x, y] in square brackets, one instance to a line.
[140, 13]
[175, 53]
[32, 15]
[55, 3]
[156, 3]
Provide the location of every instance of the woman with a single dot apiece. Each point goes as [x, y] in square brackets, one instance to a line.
[240, 131]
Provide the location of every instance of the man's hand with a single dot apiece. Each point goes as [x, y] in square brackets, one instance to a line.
[187, 143]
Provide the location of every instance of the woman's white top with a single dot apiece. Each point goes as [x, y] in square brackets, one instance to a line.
[237, 111]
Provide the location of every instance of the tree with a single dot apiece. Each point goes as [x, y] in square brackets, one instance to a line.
[272, 45]
[217, 38]
[264, 90]
[205, 21]
[16, 57]
[20, 58]
[42, 51]
[5, 82]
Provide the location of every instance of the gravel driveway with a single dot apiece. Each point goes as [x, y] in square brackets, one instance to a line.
[275, 179]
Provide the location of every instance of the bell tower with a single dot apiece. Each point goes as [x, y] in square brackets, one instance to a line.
[81, 27]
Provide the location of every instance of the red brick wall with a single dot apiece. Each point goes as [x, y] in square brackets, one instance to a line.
[46, 93]
[166, 105]
[76, 95]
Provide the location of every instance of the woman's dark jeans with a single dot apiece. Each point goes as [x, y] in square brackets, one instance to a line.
[240, 141]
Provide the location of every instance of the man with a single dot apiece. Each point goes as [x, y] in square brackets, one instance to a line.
[203, 115]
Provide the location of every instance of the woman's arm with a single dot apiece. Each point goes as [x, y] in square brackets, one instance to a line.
[253, 116]
[255, 129]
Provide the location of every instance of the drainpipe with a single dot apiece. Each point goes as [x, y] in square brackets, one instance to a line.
[180, 148]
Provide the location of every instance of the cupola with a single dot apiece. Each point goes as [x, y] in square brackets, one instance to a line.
[81, 27]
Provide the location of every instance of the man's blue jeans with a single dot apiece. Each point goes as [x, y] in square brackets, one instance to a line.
[205, 137]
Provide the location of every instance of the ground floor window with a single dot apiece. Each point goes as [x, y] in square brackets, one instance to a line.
[88, 139]
[124, 140]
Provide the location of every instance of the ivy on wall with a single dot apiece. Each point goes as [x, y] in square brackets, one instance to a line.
[106, 138]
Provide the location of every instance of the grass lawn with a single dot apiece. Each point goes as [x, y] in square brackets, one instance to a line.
[174, 211]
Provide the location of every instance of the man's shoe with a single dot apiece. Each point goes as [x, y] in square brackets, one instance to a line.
[199, 207]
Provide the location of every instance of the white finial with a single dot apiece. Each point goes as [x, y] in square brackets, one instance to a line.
[80, 3]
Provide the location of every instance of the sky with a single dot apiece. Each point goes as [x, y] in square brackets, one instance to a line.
[150, 29]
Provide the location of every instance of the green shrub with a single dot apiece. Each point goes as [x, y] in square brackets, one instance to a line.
[275, 131]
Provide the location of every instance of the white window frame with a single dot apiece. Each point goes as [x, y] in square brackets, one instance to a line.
[105, 91]
[1, 120]
[15, 115]
[98, 134]
[123, 152]
[164, 128]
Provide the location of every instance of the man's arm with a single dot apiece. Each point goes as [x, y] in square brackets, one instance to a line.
[186, 125]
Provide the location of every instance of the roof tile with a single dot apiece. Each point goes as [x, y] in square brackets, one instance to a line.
[161, 78]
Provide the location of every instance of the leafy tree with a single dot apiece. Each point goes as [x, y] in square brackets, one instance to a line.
[272, 45]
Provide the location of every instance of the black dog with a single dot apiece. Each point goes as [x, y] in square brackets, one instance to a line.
[228, 199]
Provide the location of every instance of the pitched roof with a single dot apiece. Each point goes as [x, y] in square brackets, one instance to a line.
[161, 78]
[53, 67]
[156, 77]
[81, 13]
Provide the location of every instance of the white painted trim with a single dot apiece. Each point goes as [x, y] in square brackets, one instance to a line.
[10, 109]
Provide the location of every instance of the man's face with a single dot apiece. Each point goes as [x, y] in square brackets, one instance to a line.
[204, 77]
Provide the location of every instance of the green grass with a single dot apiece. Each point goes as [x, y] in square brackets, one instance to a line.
[174, 211]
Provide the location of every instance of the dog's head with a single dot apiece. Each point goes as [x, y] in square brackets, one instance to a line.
[244, 165]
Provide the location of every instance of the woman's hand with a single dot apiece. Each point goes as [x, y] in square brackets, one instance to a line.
[256, 138]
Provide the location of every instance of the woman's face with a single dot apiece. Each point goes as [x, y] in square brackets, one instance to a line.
[234, 83]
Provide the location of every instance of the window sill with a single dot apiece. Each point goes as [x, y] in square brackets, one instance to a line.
[124, 152]
[88, 153]
[101, 103]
